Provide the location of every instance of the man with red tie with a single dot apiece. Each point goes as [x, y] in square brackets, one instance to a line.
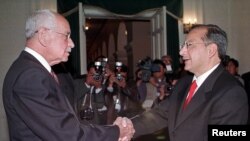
[211, 96]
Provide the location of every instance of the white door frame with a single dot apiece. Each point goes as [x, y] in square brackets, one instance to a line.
[156, 16]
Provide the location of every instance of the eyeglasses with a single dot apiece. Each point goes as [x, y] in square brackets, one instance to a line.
[190, 44]
[67, 36]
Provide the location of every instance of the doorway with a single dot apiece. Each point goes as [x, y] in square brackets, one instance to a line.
[122, 42]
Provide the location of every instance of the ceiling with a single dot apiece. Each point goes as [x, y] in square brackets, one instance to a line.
[127, 7]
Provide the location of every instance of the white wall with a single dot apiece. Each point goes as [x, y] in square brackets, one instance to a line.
[240, 35]
[230, 15]
[12, 23]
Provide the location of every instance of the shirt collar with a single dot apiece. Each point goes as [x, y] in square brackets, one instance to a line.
[203, 77]
[38, 57]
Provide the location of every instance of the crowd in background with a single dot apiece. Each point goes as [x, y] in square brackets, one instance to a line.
[106, 91]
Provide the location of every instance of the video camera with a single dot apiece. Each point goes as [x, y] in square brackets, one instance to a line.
[167, 86]
[147, 68]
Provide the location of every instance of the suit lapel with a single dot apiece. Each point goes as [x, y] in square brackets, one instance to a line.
[200, 97]
[196, 102]
[177, 100]
[26, 55]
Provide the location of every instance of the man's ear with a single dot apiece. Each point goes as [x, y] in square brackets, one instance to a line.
[212, 49]
[43, 36]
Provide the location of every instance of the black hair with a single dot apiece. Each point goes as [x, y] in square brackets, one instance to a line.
[234, 61]
[124, 68]
[90, 65]
[159, 62]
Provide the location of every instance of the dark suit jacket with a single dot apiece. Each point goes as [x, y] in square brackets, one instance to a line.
[38, 110]
[219, 100]
[65, 82]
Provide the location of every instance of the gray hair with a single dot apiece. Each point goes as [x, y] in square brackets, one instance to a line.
[215, 35]
[41, 18]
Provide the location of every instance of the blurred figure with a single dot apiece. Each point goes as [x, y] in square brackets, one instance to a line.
[122, 94]
[167, 60]
[169, 72]
[89, 94]
[155, 88]
[225, 60]
[246, 78]
[104, 68]
[180, 72]
[232, 67]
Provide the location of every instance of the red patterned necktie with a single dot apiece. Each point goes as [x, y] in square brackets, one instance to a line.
[54, 76]
[190, 94]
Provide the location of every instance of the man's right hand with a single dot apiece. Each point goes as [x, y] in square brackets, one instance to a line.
[126, 128]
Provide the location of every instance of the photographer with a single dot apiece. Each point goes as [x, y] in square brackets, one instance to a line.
[156, 87]
[89, 95]
[121, 94]
[103, 67]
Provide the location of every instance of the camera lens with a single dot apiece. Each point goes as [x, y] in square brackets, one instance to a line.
[97, 76]
[87, 113]
[119, 77]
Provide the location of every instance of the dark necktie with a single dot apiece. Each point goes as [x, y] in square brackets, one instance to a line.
[54, 76]
[190, 94]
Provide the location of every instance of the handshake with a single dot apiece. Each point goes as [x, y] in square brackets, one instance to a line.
[126, 128]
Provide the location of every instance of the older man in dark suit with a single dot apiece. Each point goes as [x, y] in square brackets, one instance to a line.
[215, 97]
[36, 106]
